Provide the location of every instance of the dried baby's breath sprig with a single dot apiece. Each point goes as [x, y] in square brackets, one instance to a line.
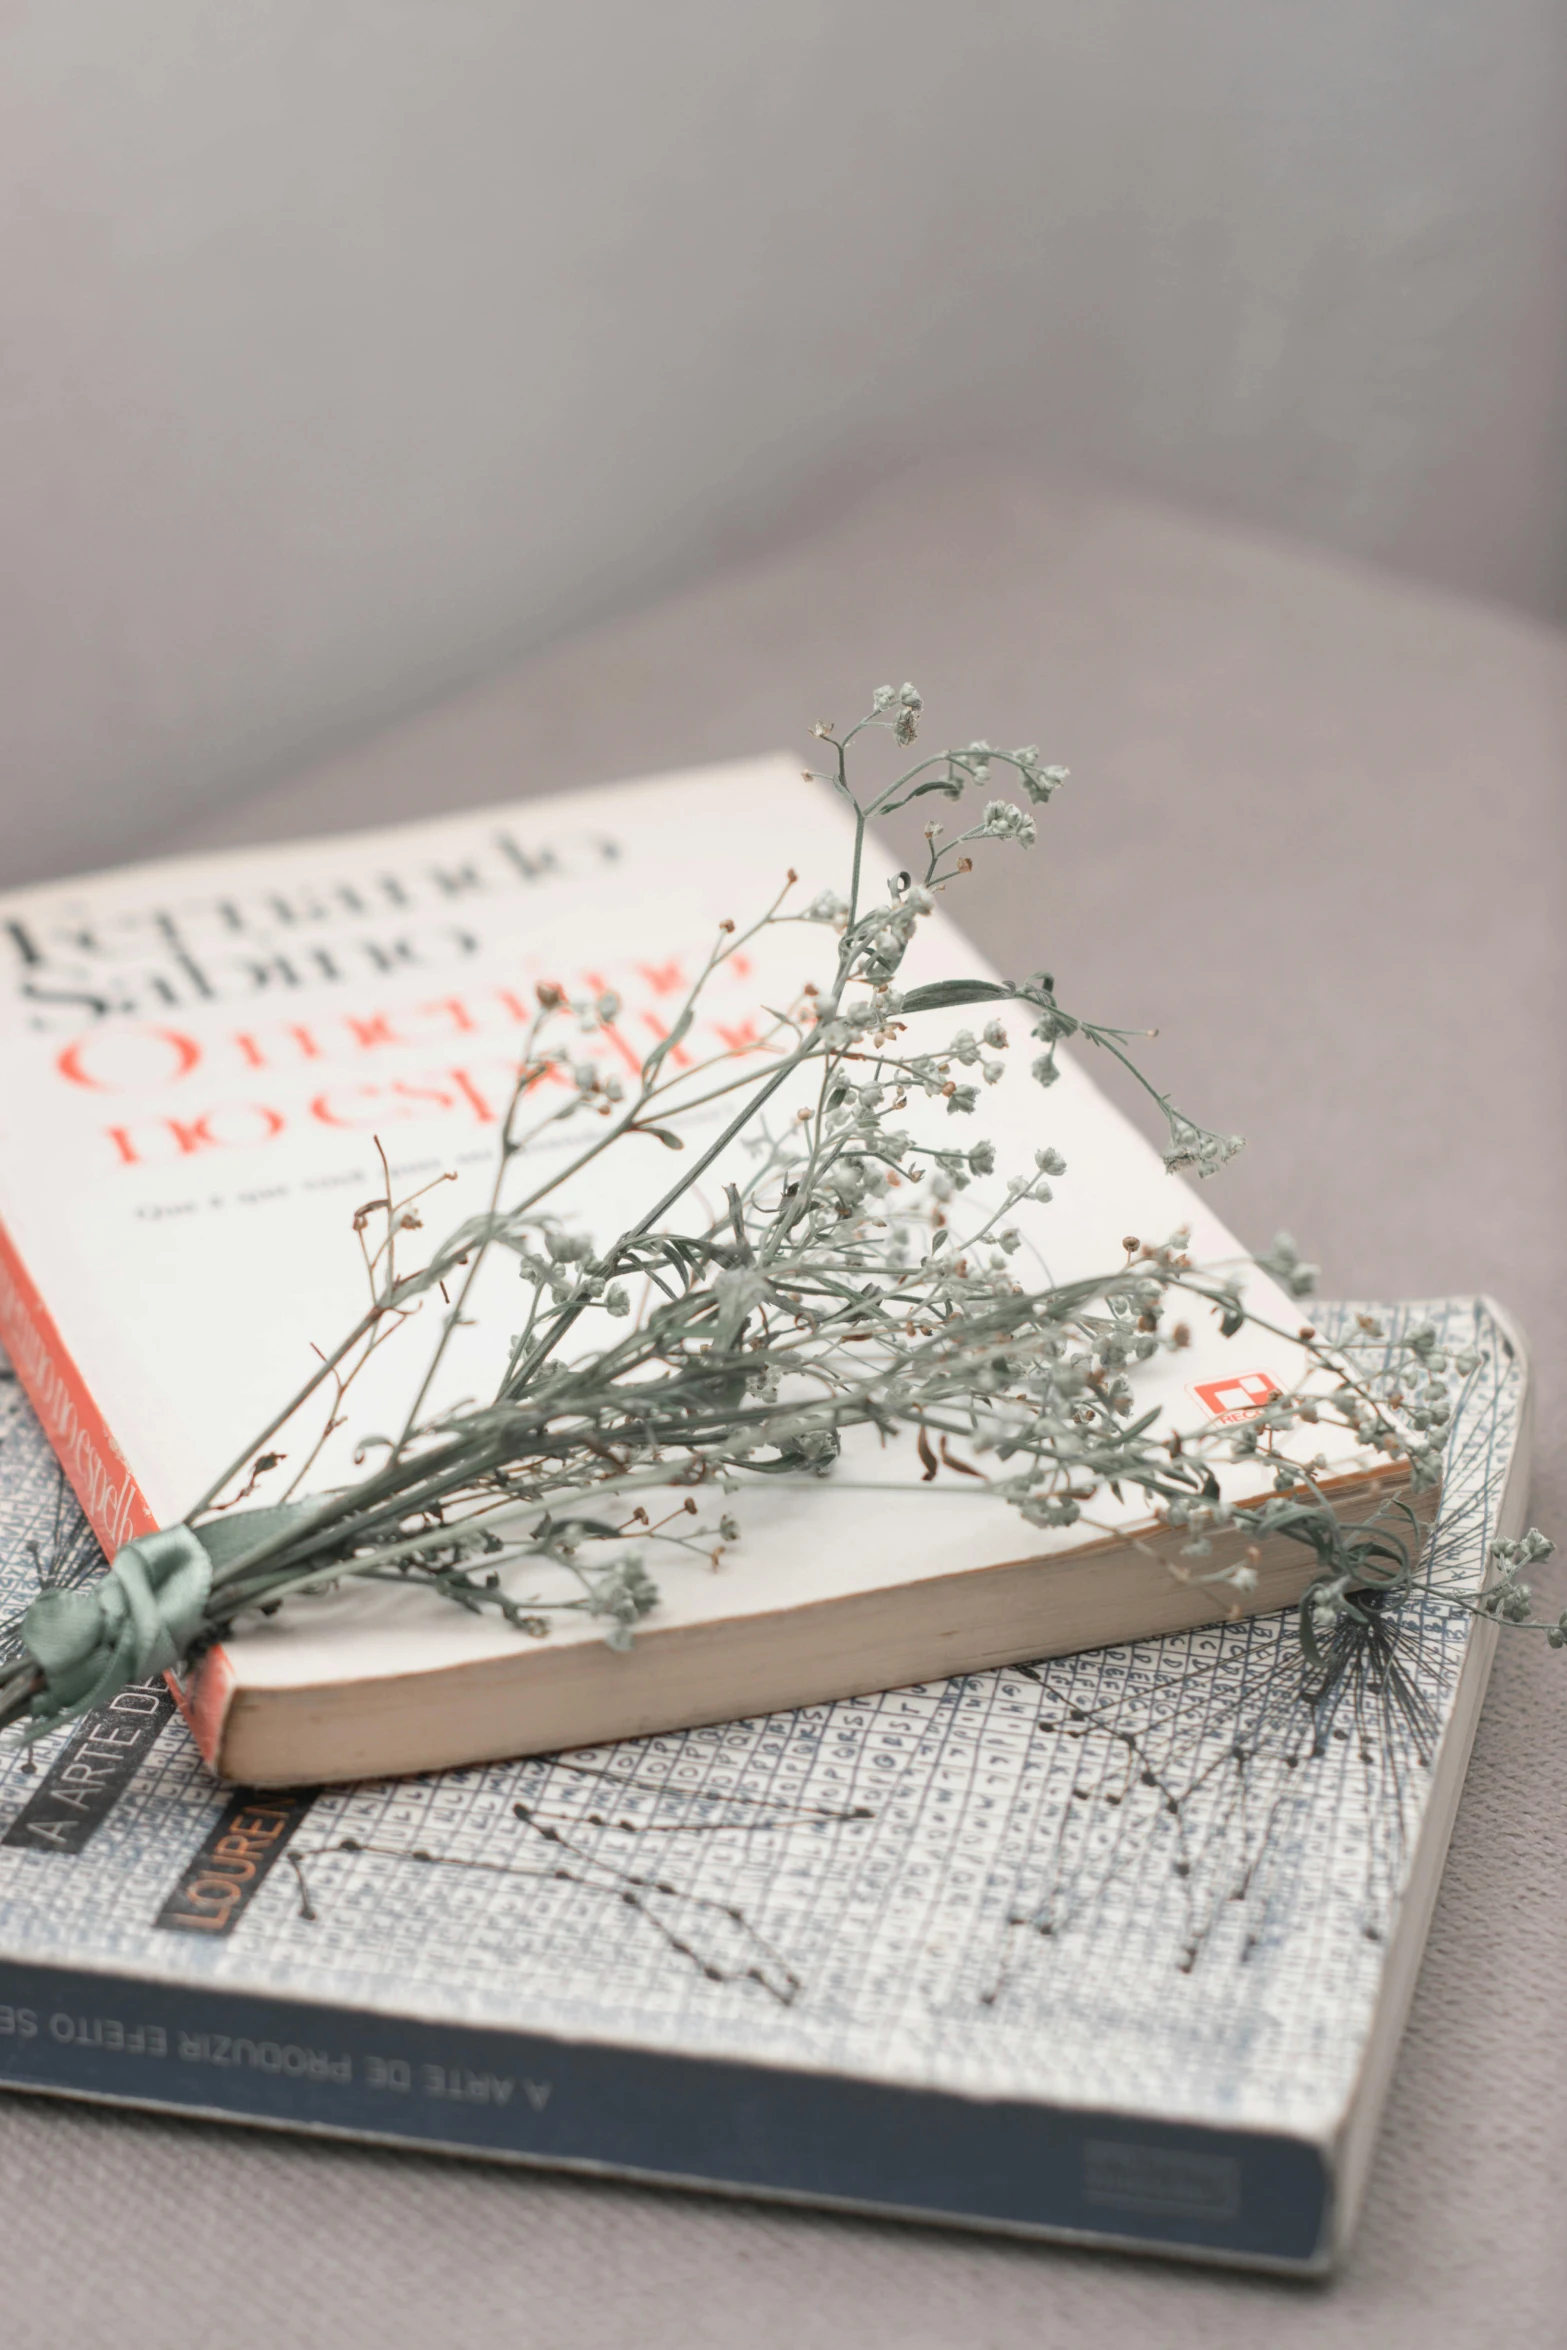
[844, 1284]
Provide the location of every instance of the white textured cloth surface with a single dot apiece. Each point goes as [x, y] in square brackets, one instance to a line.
[1315, 831]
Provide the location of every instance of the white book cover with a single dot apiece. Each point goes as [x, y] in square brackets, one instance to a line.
[199, 1059]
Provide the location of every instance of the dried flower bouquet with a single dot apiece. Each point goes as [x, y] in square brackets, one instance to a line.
[844, 1283]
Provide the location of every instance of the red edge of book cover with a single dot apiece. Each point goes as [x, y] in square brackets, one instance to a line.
[113, 1503]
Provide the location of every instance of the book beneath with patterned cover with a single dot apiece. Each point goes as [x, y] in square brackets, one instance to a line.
[1114, 1948]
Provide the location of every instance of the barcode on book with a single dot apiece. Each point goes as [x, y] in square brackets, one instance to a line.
[1128, 2177]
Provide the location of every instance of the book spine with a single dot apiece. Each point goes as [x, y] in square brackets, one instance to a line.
[1114, 2179]
[112, 1502]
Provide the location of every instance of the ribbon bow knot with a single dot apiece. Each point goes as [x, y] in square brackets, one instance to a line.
[138, 1620]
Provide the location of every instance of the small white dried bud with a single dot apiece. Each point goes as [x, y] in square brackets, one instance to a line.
[1004, 822]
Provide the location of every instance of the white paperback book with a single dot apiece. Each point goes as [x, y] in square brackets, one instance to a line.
[201, 1059]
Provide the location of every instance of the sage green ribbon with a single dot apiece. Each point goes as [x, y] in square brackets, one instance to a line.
[139, 1619]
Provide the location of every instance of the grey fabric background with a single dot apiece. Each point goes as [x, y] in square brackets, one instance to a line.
[1315, 832]
[348, 350]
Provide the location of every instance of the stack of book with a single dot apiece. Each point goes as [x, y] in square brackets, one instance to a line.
[1098, 1921]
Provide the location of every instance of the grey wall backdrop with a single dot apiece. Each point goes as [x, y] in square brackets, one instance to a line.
[349, 347]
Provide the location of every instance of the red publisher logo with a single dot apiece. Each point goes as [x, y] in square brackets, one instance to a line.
[1240, 1397]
